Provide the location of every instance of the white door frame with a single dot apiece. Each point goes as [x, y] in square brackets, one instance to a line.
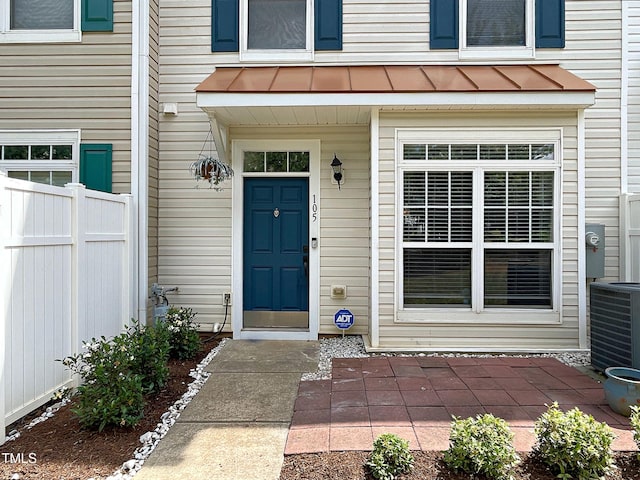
[238, 147]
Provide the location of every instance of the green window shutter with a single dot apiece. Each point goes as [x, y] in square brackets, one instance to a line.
[443, 26]
[328, 24]
[225, 26]
[95, 166]
[97, 16]
[550, 23]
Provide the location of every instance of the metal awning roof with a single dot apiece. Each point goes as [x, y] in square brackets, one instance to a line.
[393, 79]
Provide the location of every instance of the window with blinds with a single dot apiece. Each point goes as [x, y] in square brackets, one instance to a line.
[437, 277]
[505, 241]
[517, 278]
[438, 206]
[518, 207]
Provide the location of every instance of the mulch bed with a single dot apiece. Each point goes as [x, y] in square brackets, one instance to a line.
[59, 448]
[427, 466]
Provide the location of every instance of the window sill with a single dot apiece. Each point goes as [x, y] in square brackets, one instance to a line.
[276, 56]
[496, 53]
[439, 316]
[41, 36]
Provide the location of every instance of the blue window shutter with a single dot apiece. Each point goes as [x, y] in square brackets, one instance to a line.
[549, 23]
[97, 16]
[328, 24]
[95, 166]
[225, 26]
[443, 26]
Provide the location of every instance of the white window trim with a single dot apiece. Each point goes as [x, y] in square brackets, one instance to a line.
[38, 36]
[478, 314]
[275, 55]
[43, 137]
[498, 53]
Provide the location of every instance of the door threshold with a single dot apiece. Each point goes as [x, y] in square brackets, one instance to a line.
[275, 334]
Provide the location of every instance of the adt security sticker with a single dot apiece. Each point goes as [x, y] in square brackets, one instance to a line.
[343, 319]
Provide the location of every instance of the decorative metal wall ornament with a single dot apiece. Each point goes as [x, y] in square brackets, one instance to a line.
[208, 167]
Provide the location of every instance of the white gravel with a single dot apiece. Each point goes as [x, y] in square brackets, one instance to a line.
[352, 346]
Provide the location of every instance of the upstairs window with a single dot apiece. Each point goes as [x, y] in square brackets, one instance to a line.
[28, 15]
[492, 23]
[276, 30]
[46, 21]
[40, 21]
[502, 28]
[496, 29]
[277, 24]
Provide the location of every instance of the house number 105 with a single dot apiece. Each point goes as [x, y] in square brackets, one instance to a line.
[314, 209]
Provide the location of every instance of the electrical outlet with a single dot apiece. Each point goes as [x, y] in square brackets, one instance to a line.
[226, 298]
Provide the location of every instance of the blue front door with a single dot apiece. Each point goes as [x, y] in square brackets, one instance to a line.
[276, 258]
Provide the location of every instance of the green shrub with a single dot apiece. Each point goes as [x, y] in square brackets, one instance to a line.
[574, 444]
[390, 457]
[635, 424]
[117, 373]
[150, 348]
[115, 404]
[483, 445]
[184, 337]
[111, 392]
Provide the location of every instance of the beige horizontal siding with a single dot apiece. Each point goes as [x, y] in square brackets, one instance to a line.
[85, 85]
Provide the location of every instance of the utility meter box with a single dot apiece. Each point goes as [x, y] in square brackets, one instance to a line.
[594, 239]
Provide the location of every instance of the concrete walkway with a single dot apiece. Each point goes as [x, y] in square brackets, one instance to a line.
[236, 427]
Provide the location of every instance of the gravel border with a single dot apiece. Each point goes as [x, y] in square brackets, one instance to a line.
[352, 346]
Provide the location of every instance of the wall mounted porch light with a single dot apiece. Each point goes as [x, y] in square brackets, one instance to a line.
[336, 165]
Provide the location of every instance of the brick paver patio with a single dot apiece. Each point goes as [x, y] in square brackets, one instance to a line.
[415, 397]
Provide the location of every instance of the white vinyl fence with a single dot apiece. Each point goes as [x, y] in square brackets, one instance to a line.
[66, 258]
[630, 238]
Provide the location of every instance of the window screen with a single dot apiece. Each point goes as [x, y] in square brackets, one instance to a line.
[277, 24]
[496, 23]
[41, 15]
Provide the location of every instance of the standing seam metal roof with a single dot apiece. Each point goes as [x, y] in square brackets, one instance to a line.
[394, 79]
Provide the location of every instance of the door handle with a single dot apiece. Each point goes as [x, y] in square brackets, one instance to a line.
[305, 260]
